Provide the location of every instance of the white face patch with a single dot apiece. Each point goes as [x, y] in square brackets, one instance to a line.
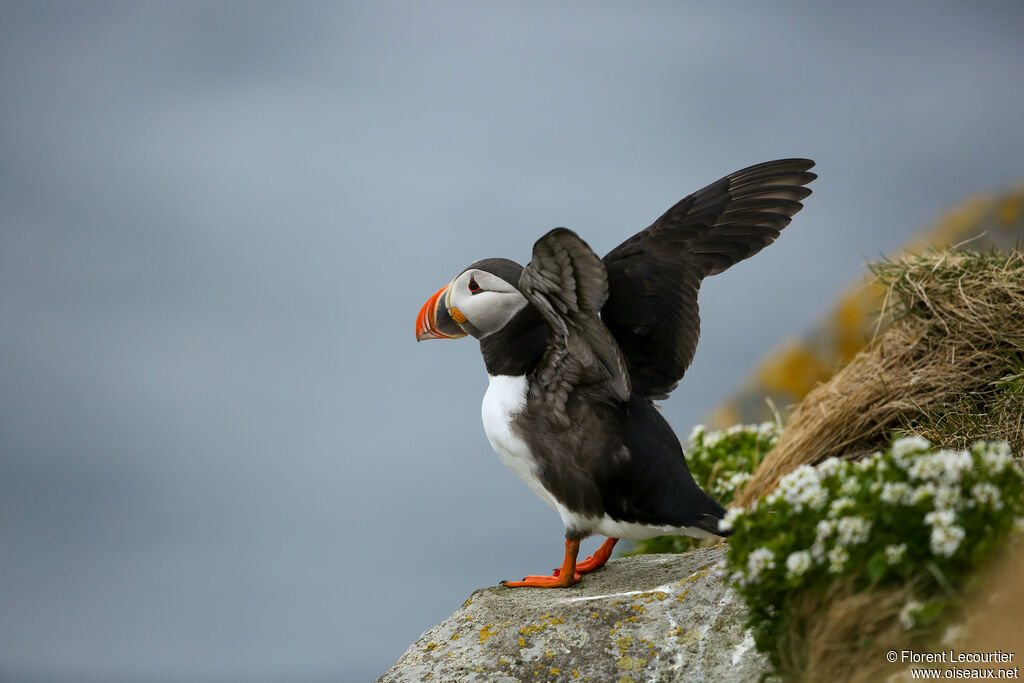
[485, 300]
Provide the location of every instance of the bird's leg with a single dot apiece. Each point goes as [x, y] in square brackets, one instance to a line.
[595, 561]
[567, 575]
[600, 556]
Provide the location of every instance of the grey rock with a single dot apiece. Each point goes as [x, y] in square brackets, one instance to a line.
[643, 618]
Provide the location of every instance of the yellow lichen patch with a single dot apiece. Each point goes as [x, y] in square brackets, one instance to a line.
[479, 669]
[575, 673]
[522, 643]
[631, 663]
[456, 636]
[555, 672]
[638, 608]
[673, 632]
[534, 628]
[625, 679]
[488, 631]
[431, 645]
[469, 601]
[697, 575]
[624, 642]
[595, 615]
[545, 616]
[549, 654]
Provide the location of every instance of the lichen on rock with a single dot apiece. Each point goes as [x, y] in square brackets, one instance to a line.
[642, 618]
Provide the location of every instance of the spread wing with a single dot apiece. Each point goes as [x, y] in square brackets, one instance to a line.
[653, 277]
[566, 281]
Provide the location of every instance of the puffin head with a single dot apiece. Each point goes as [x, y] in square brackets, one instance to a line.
[481, 300]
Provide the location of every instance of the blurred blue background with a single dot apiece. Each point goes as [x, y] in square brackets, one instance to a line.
[222, 455]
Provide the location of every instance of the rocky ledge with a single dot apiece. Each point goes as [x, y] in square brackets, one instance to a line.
[643, 618]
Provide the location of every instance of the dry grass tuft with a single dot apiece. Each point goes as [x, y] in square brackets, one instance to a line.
[845, 634]
[949, 366]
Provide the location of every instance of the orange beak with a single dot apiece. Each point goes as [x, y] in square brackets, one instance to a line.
[434, 321]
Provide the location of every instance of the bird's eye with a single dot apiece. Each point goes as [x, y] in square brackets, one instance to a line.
[474, 288]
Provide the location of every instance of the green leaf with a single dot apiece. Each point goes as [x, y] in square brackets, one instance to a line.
[929, 613]
[877, 567]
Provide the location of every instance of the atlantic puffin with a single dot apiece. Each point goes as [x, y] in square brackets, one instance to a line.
[578, 348]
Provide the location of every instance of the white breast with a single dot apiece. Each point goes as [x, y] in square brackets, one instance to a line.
[506, 398]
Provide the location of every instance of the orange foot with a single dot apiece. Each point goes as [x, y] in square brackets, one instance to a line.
[595, 561]
[543, 581]
[561, 579]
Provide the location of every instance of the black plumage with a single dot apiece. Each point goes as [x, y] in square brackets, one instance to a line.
[598, 340]
[654, 276]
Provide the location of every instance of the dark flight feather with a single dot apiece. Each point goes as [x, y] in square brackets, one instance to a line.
[566, 281]
[654, 276]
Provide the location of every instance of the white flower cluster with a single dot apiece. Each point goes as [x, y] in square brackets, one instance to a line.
[853, 530]
[701, 437]
[759, 560]
[850, 486]
[935, 487]
[985, 493]
[832, 467]
[726, 523]
[837, 506]
[696, 434]
[995, 454]
[822, 532]
[908, 615]
[896, 493]
[770, 431]
[942, 465]
[801, 487]
[798, 562]
[894, 554]
[728, 485]
[946, 535]
[837, 559]
[713, 439]
[907, 445]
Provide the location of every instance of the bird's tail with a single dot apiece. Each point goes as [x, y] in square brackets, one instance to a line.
[709, 523]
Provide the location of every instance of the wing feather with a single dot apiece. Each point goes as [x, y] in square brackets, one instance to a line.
[654, 276]
[568, 284]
